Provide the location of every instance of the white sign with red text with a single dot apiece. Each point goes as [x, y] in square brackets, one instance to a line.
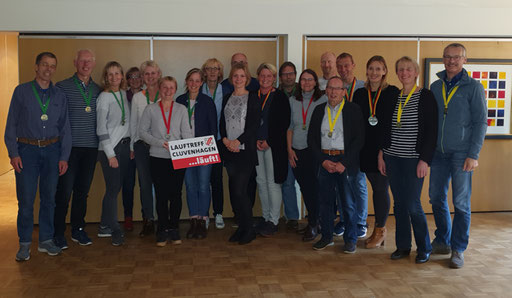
[193, 152]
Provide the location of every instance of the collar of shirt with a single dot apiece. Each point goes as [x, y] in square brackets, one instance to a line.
[453, 81]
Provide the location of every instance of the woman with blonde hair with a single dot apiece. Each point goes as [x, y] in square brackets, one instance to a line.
[408, 141]
[239, 122]
[160, 123]
[373, 99]
[213, 74]
[151, 73]
[113, 132]
[272, 168]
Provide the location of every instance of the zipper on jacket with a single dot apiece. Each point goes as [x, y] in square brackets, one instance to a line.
[442, 134]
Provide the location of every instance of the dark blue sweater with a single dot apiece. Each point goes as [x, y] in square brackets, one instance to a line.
[205, 120]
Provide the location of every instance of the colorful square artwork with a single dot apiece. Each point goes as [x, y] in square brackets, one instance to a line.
[500, 122]
[501, 94]
[502, 84]
[501, 104]
[491, 113]
[485, 84]
[501, 113]
[492, 94]
[476, 75]
[493, 84]
[485, 74]
[491, 103]
[493, 75]
[503, 75]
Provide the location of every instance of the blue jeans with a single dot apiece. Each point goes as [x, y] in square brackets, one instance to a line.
[142, 163]
[291, 209]
[40, 166]
[357, 184]
[328, 184]
[406, 188]
[197, 182]
[446, 166]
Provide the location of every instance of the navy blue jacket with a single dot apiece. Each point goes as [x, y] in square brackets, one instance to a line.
[205, 120]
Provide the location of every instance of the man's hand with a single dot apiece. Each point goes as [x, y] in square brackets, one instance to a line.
[63, 167]
[340, 168]
[329, 166]
[469, 164]
[17, 164]
[132, 155]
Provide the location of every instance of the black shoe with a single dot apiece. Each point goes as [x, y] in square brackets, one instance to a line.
[148, 228]
[310, 233]
[268, 230]
[323, 243]
[236, 236]
[192, 231]
[246, 237]
[292, 225]
[399, 254]
[201, 231]
[422, 257]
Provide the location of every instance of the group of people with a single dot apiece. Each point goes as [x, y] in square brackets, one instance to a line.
[329, 133]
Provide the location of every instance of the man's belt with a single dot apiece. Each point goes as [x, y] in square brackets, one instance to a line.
[333, 152]
[40, 143]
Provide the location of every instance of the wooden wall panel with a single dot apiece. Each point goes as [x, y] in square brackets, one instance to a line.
[491, 188]
[175, 58]
[361, 51]
[8, 81]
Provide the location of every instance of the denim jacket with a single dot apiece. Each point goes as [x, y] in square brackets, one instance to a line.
[463, 127]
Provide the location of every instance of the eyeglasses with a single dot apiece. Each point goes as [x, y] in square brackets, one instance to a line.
[457, 57]
[134, 77]
[287, 74]
[335, 88]
[212, 68]
[307, 79]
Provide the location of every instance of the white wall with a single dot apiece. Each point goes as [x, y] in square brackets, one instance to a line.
[293, 18]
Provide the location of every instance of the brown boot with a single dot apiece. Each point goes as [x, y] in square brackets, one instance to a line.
[192, 232]
[371, 237]
[379, 238]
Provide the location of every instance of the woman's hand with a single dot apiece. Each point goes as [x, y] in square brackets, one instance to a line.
[132, 155]
[112, 162]
[421, 169]
[166, 145]
[292, 157]
[262, 145]
[381, 165]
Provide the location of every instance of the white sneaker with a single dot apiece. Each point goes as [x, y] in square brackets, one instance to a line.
[219, 222]
[207, 222]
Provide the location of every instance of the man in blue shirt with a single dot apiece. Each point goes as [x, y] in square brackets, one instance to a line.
[81, 94]
[462, 127]
[38, 139]
[235, 59]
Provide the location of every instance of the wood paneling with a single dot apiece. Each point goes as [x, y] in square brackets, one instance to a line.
[8, 81]
[175, 57]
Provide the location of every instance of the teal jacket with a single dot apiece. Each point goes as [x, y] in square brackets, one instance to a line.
[463, 127]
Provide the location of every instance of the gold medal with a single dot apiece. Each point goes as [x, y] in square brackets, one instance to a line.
[123, 122]
[44, 117]
[304, 127]
[88, 109]
[399, 124]
[329, 134]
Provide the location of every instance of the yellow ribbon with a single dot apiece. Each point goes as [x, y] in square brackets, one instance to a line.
[331, 124]
[400, 107]
[447, 101]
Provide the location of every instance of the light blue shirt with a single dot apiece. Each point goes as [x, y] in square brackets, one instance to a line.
[217, 101]
[335, 142]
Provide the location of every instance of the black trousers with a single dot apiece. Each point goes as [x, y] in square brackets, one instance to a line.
[239, 174]
[381, 204]
[77, 180]
[168, 184]
[306, 174]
